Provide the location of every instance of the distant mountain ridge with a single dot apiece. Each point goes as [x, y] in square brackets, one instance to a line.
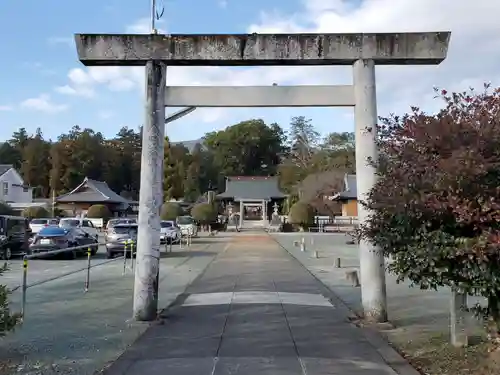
[190, 144]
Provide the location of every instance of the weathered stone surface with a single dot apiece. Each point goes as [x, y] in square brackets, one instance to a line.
[260, 96]
[263, 49]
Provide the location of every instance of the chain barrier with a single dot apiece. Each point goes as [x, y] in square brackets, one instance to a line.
[26, 258]
[128, 264]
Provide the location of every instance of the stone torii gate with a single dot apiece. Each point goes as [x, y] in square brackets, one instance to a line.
[157, 52]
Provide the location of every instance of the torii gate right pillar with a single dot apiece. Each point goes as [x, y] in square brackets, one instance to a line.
[372, 265]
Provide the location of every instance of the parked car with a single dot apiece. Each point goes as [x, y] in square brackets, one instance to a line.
[82, 223]
[37, 224]
[187, 226]
[170, 232]
[56, 238]
[118, 236]
[14, 234]
[113, 222]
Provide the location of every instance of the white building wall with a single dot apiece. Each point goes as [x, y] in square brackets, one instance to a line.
[12, 190]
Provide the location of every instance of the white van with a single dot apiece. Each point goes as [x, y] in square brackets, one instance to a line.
[187, 226]
[38, 224]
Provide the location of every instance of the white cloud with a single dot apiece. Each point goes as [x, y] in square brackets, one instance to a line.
[5, 108]
[472, 25]
[82, 82]
[84, 91]
[78, 77]
[472, 59]
[43, 103]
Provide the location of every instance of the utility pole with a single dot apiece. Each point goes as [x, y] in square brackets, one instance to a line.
[371, 260]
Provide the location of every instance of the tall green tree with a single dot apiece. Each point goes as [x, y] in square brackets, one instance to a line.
[173, 184]
[77, 155]
[303, 141]
[60, 152]
[10, 155]
[247, 148]
[308, 154]
[11, 151]
[192, 183]
[301, 147]
[124, 162]
[209, 173]
[19, 138]
[35, 165]
[337, 151]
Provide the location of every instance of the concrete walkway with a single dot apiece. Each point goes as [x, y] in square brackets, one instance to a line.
[255, 310]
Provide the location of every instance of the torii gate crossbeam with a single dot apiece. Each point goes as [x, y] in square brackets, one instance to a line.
[156, 52]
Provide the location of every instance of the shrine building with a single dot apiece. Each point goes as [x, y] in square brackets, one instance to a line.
[254, 197]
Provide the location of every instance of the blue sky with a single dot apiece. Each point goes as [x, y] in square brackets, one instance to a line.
[42, 83]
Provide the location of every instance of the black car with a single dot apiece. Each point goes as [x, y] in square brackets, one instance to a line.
[57, 238]
[14, 236]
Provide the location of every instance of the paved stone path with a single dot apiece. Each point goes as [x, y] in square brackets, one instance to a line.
[255, 310]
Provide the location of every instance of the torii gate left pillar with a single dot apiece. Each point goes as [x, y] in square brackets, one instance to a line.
[362, 51]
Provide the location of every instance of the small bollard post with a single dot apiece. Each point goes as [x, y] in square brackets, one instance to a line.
[180, 241]
[312, 242]
[133, 249]
[24, 287]
[352, 277]
[170, 245]
[125, 256]
[337, 262]
[87, 276]
[316, 254]
[303, 244]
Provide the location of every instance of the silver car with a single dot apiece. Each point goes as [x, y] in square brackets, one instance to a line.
[170, 232]
[118, 236]
[114, 222]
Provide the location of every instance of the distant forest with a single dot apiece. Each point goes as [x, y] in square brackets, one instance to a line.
[251, 148]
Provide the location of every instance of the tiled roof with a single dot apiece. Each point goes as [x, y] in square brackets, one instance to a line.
[351, 191]
[95, 191]
[252, 187]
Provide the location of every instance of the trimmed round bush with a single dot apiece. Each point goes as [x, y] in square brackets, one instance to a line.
[204, 213]
[99, 211]
[301, 214]
[170, 211]
[59, 213]
[35, 212]
[5, 209]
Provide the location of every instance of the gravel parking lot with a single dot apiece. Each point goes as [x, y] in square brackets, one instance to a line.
[43, 269]
[67, 331]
